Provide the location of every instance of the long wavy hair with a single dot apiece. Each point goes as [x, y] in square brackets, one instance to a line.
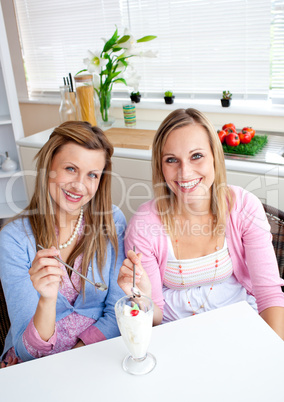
[99, 225]
[166, 201]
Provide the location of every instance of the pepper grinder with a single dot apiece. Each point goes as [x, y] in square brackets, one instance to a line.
[8, 165]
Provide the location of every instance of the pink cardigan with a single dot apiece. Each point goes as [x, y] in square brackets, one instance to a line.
[248, 239]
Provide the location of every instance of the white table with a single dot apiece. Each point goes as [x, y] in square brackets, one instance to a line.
[227, 355]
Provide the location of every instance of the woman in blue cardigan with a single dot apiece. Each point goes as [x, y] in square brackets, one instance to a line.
[71, 216]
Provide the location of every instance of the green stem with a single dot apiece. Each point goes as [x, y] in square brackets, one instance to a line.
[105, 97]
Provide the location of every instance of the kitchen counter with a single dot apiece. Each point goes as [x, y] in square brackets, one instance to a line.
[263, 175]
[269, 161]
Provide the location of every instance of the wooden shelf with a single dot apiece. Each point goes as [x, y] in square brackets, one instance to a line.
[8, 174]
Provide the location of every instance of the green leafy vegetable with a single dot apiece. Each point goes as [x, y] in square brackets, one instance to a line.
[252, 148]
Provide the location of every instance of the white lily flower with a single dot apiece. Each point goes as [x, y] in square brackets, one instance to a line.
[140, 53]
[134, 85]
[131, 41]
[94, 62]
[133, 79]
[130, 52]
[96, 81]
[149, 53]
[120, 66]
[130, 45]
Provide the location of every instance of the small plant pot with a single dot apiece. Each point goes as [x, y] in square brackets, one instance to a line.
[135, 98]
[226, 102]
[169, 99]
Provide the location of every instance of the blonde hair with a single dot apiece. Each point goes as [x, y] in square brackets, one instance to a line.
[99, 224]
[166, 202]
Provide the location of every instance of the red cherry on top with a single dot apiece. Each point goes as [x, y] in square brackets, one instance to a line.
[134, 312]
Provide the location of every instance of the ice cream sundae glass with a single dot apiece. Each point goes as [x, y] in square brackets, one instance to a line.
[135, 319]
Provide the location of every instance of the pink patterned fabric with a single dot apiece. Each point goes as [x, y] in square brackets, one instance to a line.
[69, 330]
[254, 262]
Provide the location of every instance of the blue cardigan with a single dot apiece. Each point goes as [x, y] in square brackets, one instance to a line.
[17, 251]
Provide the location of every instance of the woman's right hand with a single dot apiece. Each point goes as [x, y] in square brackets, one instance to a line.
[125, 276]
[45, 273]
[11, 362]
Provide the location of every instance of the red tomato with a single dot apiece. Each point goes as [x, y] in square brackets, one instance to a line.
[229, 130]
[245, 137]
[249, 130]
[222, 134]
[233, 139]
[229, 125]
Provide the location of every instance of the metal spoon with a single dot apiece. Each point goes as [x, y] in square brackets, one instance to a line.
[99, 285]
[134, 290]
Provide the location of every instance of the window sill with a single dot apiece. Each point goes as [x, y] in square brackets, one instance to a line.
[246, 107]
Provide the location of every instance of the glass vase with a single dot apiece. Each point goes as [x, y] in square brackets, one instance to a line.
[104, 106]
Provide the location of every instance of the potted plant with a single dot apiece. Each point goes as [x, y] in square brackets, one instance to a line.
[109, 65]
[226, 99]
[169, 97]
[135, 97]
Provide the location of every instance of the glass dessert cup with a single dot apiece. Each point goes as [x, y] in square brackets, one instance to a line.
[135, 319]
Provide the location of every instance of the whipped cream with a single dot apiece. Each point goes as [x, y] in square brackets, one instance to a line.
[136, 330]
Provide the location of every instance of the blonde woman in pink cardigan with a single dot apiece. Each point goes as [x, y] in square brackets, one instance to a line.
[200, 244]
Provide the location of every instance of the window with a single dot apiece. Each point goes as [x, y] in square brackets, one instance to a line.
[204, 46]
[277, 48]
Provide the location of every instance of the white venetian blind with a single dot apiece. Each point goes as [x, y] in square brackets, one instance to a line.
[205, 46]
[56, 36]
[277, 47]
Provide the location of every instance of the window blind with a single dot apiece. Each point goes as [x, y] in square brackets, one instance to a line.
[205, 46]
[56, 36]
[277, 48]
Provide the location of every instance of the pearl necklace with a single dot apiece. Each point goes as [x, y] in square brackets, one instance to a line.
[182, 280]
[75, 232]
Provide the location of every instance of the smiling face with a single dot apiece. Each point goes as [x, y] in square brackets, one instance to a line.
[75, 176]
[188, 165]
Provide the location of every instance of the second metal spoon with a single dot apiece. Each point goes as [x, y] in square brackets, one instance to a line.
[134, 290]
